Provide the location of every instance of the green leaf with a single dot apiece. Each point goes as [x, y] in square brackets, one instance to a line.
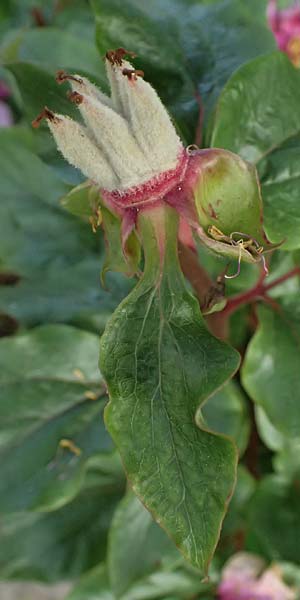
[270, 436]
[137, 545]
[62, 544]
[226, 412]
[116, 259]
[93, 586]
[56, 255]
[287, 461]
[270, 371]
[236, 523]
[38, 88]
[280, 175]
[160, 362]
[265, 94]
[50, 376]
[175, 584]
[275, 518]
[55, 49]
[64, 293]
[24, 172]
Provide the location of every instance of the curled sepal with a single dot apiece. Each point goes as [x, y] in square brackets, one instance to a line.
[83, 201]
[123, 249]
[160, 361]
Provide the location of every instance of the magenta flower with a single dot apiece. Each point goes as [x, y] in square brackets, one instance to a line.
[243, 578]
[285, 25]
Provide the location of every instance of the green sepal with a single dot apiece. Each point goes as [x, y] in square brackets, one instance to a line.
[83, 201]
[121, 258]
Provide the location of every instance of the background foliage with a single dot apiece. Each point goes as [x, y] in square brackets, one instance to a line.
[65, 512]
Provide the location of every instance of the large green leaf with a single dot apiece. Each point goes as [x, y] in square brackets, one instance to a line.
[51, 414]
[265, 94]
[55, 49]
[184, 47]
[56, 255]
[61, 544]
[271, 368]
[38, 89]
[275, 519]
[160, 362]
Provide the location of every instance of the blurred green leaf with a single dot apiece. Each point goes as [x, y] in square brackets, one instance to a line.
[50, 376]
[178, 585]
[59, 545]
[271, 437]
[287, 461]
[93, 586]
[236, 523]
[54, 49]
[280, 174]
[226, 412]
[56, 255]
[137, 545]
[24, 172]
[38, 88]
[270, 371]
[275, 518]
[265, 94]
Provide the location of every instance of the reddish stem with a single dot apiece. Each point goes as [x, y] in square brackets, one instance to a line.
[293, 273]
[259, 291]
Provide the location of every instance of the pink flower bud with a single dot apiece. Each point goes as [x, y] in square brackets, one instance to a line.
[243, 578]
[285, 25]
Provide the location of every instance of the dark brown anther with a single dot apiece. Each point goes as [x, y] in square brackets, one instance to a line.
[45, 114]
[62, 76]
[116, 57]
[75, 97]
[132, 73]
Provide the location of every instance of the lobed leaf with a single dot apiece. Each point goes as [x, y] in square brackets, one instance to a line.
[160, 362]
